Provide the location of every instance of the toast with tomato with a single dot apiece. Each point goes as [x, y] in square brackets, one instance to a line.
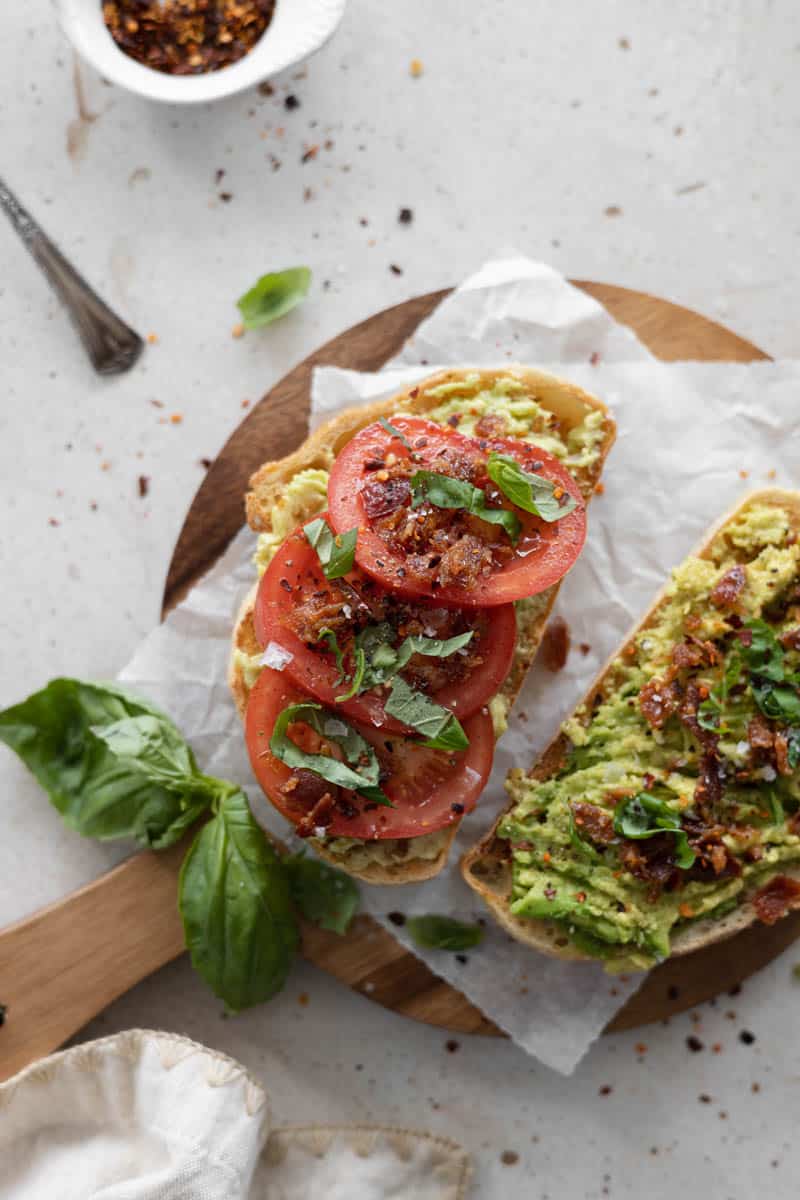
[411, 551]
[666, 814]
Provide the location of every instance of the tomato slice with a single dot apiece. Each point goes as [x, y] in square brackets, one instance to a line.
[429, 789]
[445, 553]
[295, 602]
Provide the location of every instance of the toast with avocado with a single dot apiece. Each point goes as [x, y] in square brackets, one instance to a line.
[492, 414]
[666, 814]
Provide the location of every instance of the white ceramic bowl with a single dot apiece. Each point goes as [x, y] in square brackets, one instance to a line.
[298, 28]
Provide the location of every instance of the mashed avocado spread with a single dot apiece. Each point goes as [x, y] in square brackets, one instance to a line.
[305, 497]
[697, 732]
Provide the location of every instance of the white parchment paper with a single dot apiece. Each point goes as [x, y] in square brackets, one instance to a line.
[687, 434]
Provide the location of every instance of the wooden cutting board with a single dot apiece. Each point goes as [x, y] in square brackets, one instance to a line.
[63, 965]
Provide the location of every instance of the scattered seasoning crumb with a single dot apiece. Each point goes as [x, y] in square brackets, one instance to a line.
[594, 358]
[613, 210]
[144, 485]
[237, 331]
[105, 465]
[176, 418]
[640, 1048]
[716, 1048]
[599, 488]
[309, 153]
[308, 194]
[206, 462]
[219, 175]
[266, 89]
[694, 1044]
[93, 505]
[393, 267]
[397, 918]
[723, 1116]
[463, 959]
[605, 1090]
[555, 645]
[704, 1098]
[623, 43]
[735, 990]
[226, 197]
[747, 1037]
[678, 131]
[452, 1046]
[302, 999]
[291, 102]
[772, 473]
[152, 339]
[509, 1158]
[3, 1013]
[245, 404]
[755, 1087]
[415, 68]
[363, 222]
[157, 403]
[52, 521]
[405, 216]
[584, 648]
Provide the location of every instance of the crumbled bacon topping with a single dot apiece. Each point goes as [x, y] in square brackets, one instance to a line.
[594, 823]
[727, 590]
[776, 899]
[658, 700]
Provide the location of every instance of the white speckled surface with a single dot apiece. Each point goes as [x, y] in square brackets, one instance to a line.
[529, 122]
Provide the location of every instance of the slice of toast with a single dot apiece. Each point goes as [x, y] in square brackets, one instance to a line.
[487, 866]
[570, 407]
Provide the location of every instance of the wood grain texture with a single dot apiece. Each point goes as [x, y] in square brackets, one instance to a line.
[63, 965]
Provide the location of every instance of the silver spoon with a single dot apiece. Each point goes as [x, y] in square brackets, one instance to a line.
[112, 346]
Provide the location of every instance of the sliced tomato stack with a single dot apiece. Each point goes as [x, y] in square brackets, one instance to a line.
[420, 573]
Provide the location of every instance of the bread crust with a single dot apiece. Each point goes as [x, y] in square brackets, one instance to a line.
[568, 402]
[486, 867]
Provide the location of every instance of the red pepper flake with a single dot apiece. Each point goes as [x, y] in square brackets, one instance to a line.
[144, 485]
[302, 999]
[245, 404]
[599, 488]
[187, 37]
[176, 418]
[640, 1048]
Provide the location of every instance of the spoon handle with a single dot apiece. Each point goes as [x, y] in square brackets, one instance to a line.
[112, 346]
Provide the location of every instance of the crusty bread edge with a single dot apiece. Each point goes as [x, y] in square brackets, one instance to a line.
[485, 866]
[320, 448]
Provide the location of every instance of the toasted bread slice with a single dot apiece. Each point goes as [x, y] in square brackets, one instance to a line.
[487, 867]
[569, 405]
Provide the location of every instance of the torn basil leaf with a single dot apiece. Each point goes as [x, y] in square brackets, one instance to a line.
[273, 296]
[395, 433]
[532, 493]
[356, 750]
[438, 727]
[336, 552]
[324, 896]
[382, 661]
[644, 816]
[234, 900]
[428, 487]
[443, 933]
[358, 677]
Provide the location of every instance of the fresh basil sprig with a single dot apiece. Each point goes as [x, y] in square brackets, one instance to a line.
[356, 750]
[382, 661]
[234, 900]
[644, 816]
[336, 552]
[111, 763]
[438, 727]
[443, 933]
[442, 491]
[532, 493]
[116, 767]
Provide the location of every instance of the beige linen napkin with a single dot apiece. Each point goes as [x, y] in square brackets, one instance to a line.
[154, 1116]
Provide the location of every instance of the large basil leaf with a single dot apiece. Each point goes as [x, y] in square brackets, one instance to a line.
[234, 899]
[336, 552]
[775, 693]
[440, 729]
[645, 815]
[355, 748]
[442, 491]
[112, 764]
[443, 933]
[764, 655]
[325, 896]
[532, 493]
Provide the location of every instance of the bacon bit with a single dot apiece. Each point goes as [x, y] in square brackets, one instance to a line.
[686, 911]
[776, 899]
[555, 645]
[176, 418]
[144, 485]
[595, 822]
[630, 649]
[759, 733]
[657, 702]
[790, 638]
[726, 591]
[245, 404]
[237, 331]
[152, 339]
[415, 68]
[599, 489]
